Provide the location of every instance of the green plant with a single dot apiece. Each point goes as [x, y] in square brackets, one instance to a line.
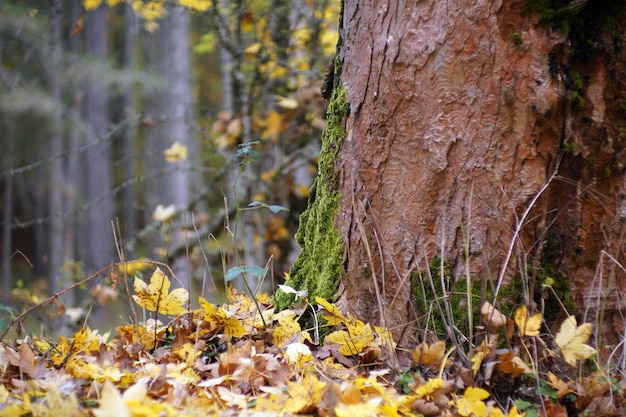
[516, 38]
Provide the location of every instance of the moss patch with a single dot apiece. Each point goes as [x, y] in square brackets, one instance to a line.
[425, 296]
[320, 264]
[581, 22]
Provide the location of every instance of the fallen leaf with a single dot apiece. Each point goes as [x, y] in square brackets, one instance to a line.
[527, 326]
[429, 355]
[156, 296]
[472, 402]
[571, 340]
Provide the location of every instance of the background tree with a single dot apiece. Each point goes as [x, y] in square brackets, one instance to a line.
[489, 136]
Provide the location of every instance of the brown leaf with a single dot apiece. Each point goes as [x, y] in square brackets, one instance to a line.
[426, 408]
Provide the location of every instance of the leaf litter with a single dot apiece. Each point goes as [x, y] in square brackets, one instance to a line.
[244, 358]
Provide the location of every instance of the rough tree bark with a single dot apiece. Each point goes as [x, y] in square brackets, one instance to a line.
[459, 114]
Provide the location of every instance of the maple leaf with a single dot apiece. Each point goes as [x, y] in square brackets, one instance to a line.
[561, 386]
[527, 326]
[156, 296]
[304, 395]
[571, 340]
[288, 330]
[427, 389]
[111, 403]
[472, 402]
[429, 355]
[479, 355]
[333, 315]
[220, 318]
[354, 340]
[511, 364]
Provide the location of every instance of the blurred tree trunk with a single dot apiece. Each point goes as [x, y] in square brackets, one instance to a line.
[128, 138]
[447, 124]
[96, 233]
[56, 199]
[7, 211]
[173, 105]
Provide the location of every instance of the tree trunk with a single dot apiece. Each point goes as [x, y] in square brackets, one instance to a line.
[478, 135]
[56, 200]
[173, 103]
[97, 236]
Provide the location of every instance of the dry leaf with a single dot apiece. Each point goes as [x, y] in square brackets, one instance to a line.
[472, 402]
[492, 317]
[571, 340]
[429, 355]
[156, 296]
[527, 326]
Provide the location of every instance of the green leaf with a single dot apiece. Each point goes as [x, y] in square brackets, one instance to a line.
[235, 271]
[275, 208]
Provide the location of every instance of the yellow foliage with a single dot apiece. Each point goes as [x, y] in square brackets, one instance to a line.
[288, 330]
[175, 153]
[527, 326]
[354, 340]
[198, 5]
[471, 403]
[156, 296]
[571, 340]
[91, 4]
[427, 389]
[149, 10]
[273, 126]
[304, 395]
[332, 314]
[220, 318]
[132, 267]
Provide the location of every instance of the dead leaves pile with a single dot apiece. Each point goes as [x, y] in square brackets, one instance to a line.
[236, 360]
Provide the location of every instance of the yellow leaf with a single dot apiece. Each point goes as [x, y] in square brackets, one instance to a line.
[561, 386]
[304, 395]
[353, 341]
[472, 402]
[429, 388]
[478, 357]
[287, 103]
[156, 296]
[132, 267]
[334, 316]
[527, 326]
[91, 4]
[198, 5]
[220, 318]
[273, 126]
[176, 152]
[571, 340]
[253, 49]
[289, 329]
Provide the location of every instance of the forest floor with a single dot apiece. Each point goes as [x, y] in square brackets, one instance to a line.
[246, 359]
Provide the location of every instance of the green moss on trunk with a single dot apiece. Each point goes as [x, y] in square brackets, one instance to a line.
[320, 264]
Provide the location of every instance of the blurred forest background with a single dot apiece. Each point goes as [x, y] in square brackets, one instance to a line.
[144, 129]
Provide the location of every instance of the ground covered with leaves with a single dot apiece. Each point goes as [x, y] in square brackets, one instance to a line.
[245, 358]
